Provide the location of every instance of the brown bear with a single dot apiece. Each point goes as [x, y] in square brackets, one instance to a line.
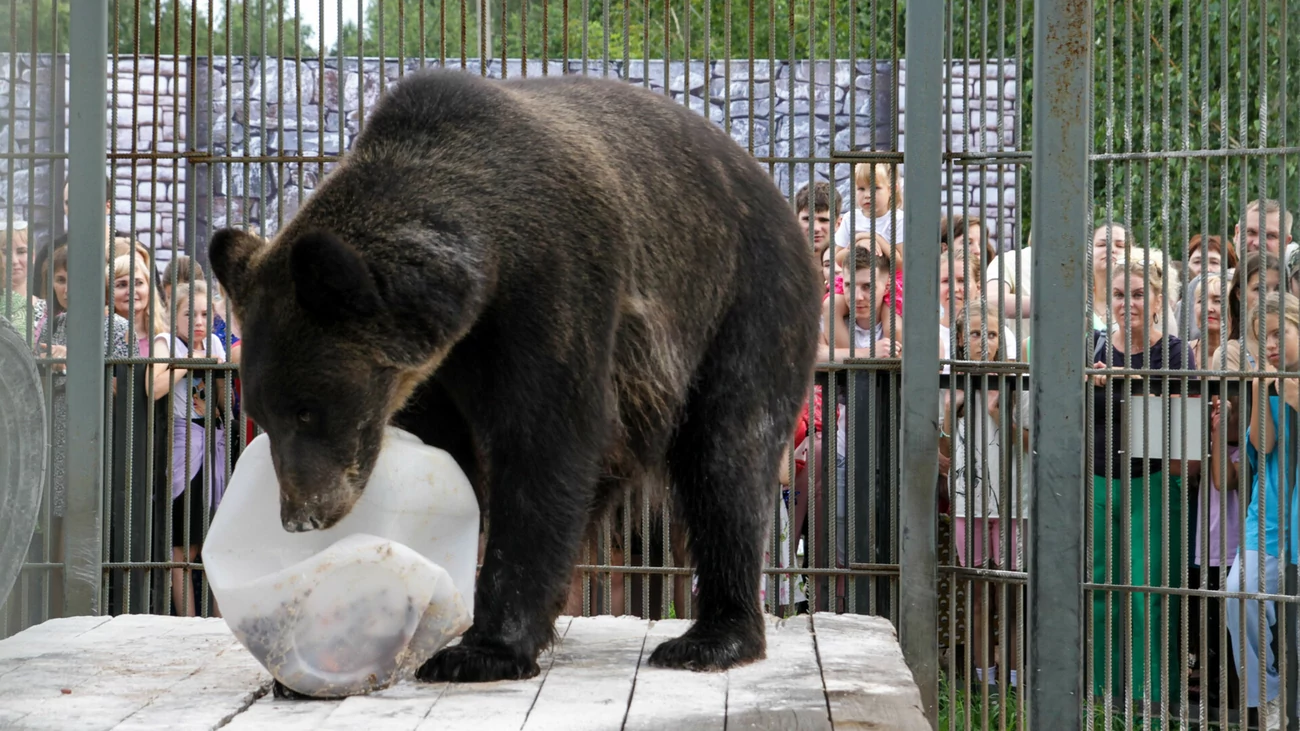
[574, 286]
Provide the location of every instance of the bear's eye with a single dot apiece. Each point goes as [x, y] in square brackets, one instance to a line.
[305, 416]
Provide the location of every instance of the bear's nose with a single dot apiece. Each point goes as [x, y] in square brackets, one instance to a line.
[301, 525]
[297, 517]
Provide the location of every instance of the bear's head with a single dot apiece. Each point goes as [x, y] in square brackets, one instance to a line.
[333, 342]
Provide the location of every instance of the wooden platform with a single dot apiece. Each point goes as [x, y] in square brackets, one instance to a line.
[152, 672]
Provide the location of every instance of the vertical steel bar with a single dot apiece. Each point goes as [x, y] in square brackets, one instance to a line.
[918, 588]
[88, 87]
[1061, 180]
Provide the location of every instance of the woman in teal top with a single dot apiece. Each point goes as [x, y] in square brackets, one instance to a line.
[1277, 436]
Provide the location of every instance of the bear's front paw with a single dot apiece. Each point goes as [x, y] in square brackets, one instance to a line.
[705, 650]
[476, 664]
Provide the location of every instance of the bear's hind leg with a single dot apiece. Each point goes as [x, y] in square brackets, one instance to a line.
[723, 463]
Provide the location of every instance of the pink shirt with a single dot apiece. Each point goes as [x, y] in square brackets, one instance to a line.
[1221, 522]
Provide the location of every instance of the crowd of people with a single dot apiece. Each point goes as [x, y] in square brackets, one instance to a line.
[1216, 518]
[175, 408]
[1214, 515]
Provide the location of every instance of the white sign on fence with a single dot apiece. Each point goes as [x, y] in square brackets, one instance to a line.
[1146, 420]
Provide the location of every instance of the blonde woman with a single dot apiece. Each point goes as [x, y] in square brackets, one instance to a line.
[17, 305]
[1110, 241]
[1131, 538]
[986, 471]
[134, 297]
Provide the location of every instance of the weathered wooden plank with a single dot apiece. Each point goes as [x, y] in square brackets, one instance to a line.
[137, 672]
[401, 706]
[669, 700]
[407, 705]
[502, 706]
[48, 668]
[783, 691]
[50, 634]
[220, 689]
[54, 636]
[590, 684]
[272, 713]
[868, 684]
[102, 675]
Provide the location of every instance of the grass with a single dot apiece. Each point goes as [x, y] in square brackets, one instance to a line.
[955, 704]
[954, 716]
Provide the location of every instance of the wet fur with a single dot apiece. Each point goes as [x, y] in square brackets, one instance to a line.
[576, 288]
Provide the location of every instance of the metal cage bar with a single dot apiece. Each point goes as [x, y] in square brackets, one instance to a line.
[87, 161]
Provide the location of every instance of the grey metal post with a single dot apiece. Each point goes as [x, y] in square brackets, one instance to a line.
[922, 161]
[88, 87]
[1061, 180]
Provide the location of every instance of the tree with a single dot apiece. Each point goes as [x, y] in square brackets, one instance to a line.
[1169, 77]
[165, 27]
[49, 18]
[617, 29]
[1201, 76]
[261, 28]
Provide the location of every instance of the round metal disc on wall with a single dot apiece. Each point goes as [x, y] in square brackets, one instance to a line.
[23, 444]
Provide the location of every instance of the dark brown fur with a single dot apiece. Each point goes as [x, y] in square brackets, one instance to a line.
[571, 285]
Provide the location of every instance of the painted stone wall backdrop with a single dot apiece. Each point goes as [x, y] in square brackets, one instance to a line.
[33, 104]
[147, 116]
[304, 110]
[981, 115]
[265, 129]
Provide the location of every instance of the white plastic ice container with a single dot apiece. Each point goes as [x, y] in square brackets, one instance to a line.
[363, 604]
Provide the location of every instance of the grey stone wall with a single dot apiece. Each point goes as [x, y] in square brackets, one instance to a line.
[289, 109]
[982, 114]
[33, 104]
[147, 114]
[263, 127]
[151, 102]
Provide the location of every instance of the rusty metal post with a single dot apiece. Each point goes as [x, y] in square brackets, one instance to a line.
[922, 161]
[1062, 128]
[88, 87]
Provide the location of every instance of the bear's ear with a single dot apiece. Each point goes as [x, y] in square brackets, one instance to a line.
[330, 278]
[231, 253]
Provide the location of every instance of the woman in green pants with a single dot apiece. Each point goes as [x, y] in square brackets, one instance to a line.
[1137, 526]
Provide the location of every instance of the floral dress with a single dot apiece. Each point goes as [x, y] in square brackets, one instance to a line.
[17, 308]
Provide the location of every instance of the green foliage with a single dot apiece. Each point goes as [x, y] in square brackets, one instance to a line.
[977, 710]
[165, 27]
[619, 29]
[40, 26]
[1169, 75]
[960, 711]
[1193, 75]
[260, 28]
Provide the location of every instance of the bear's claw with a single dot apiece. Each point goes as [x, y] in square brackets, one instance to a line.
[476, 664]
[705, 651]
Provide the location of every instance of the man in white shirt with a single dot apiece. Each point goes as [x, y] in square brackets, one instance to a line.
[1007, 280]
[1273, 231]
